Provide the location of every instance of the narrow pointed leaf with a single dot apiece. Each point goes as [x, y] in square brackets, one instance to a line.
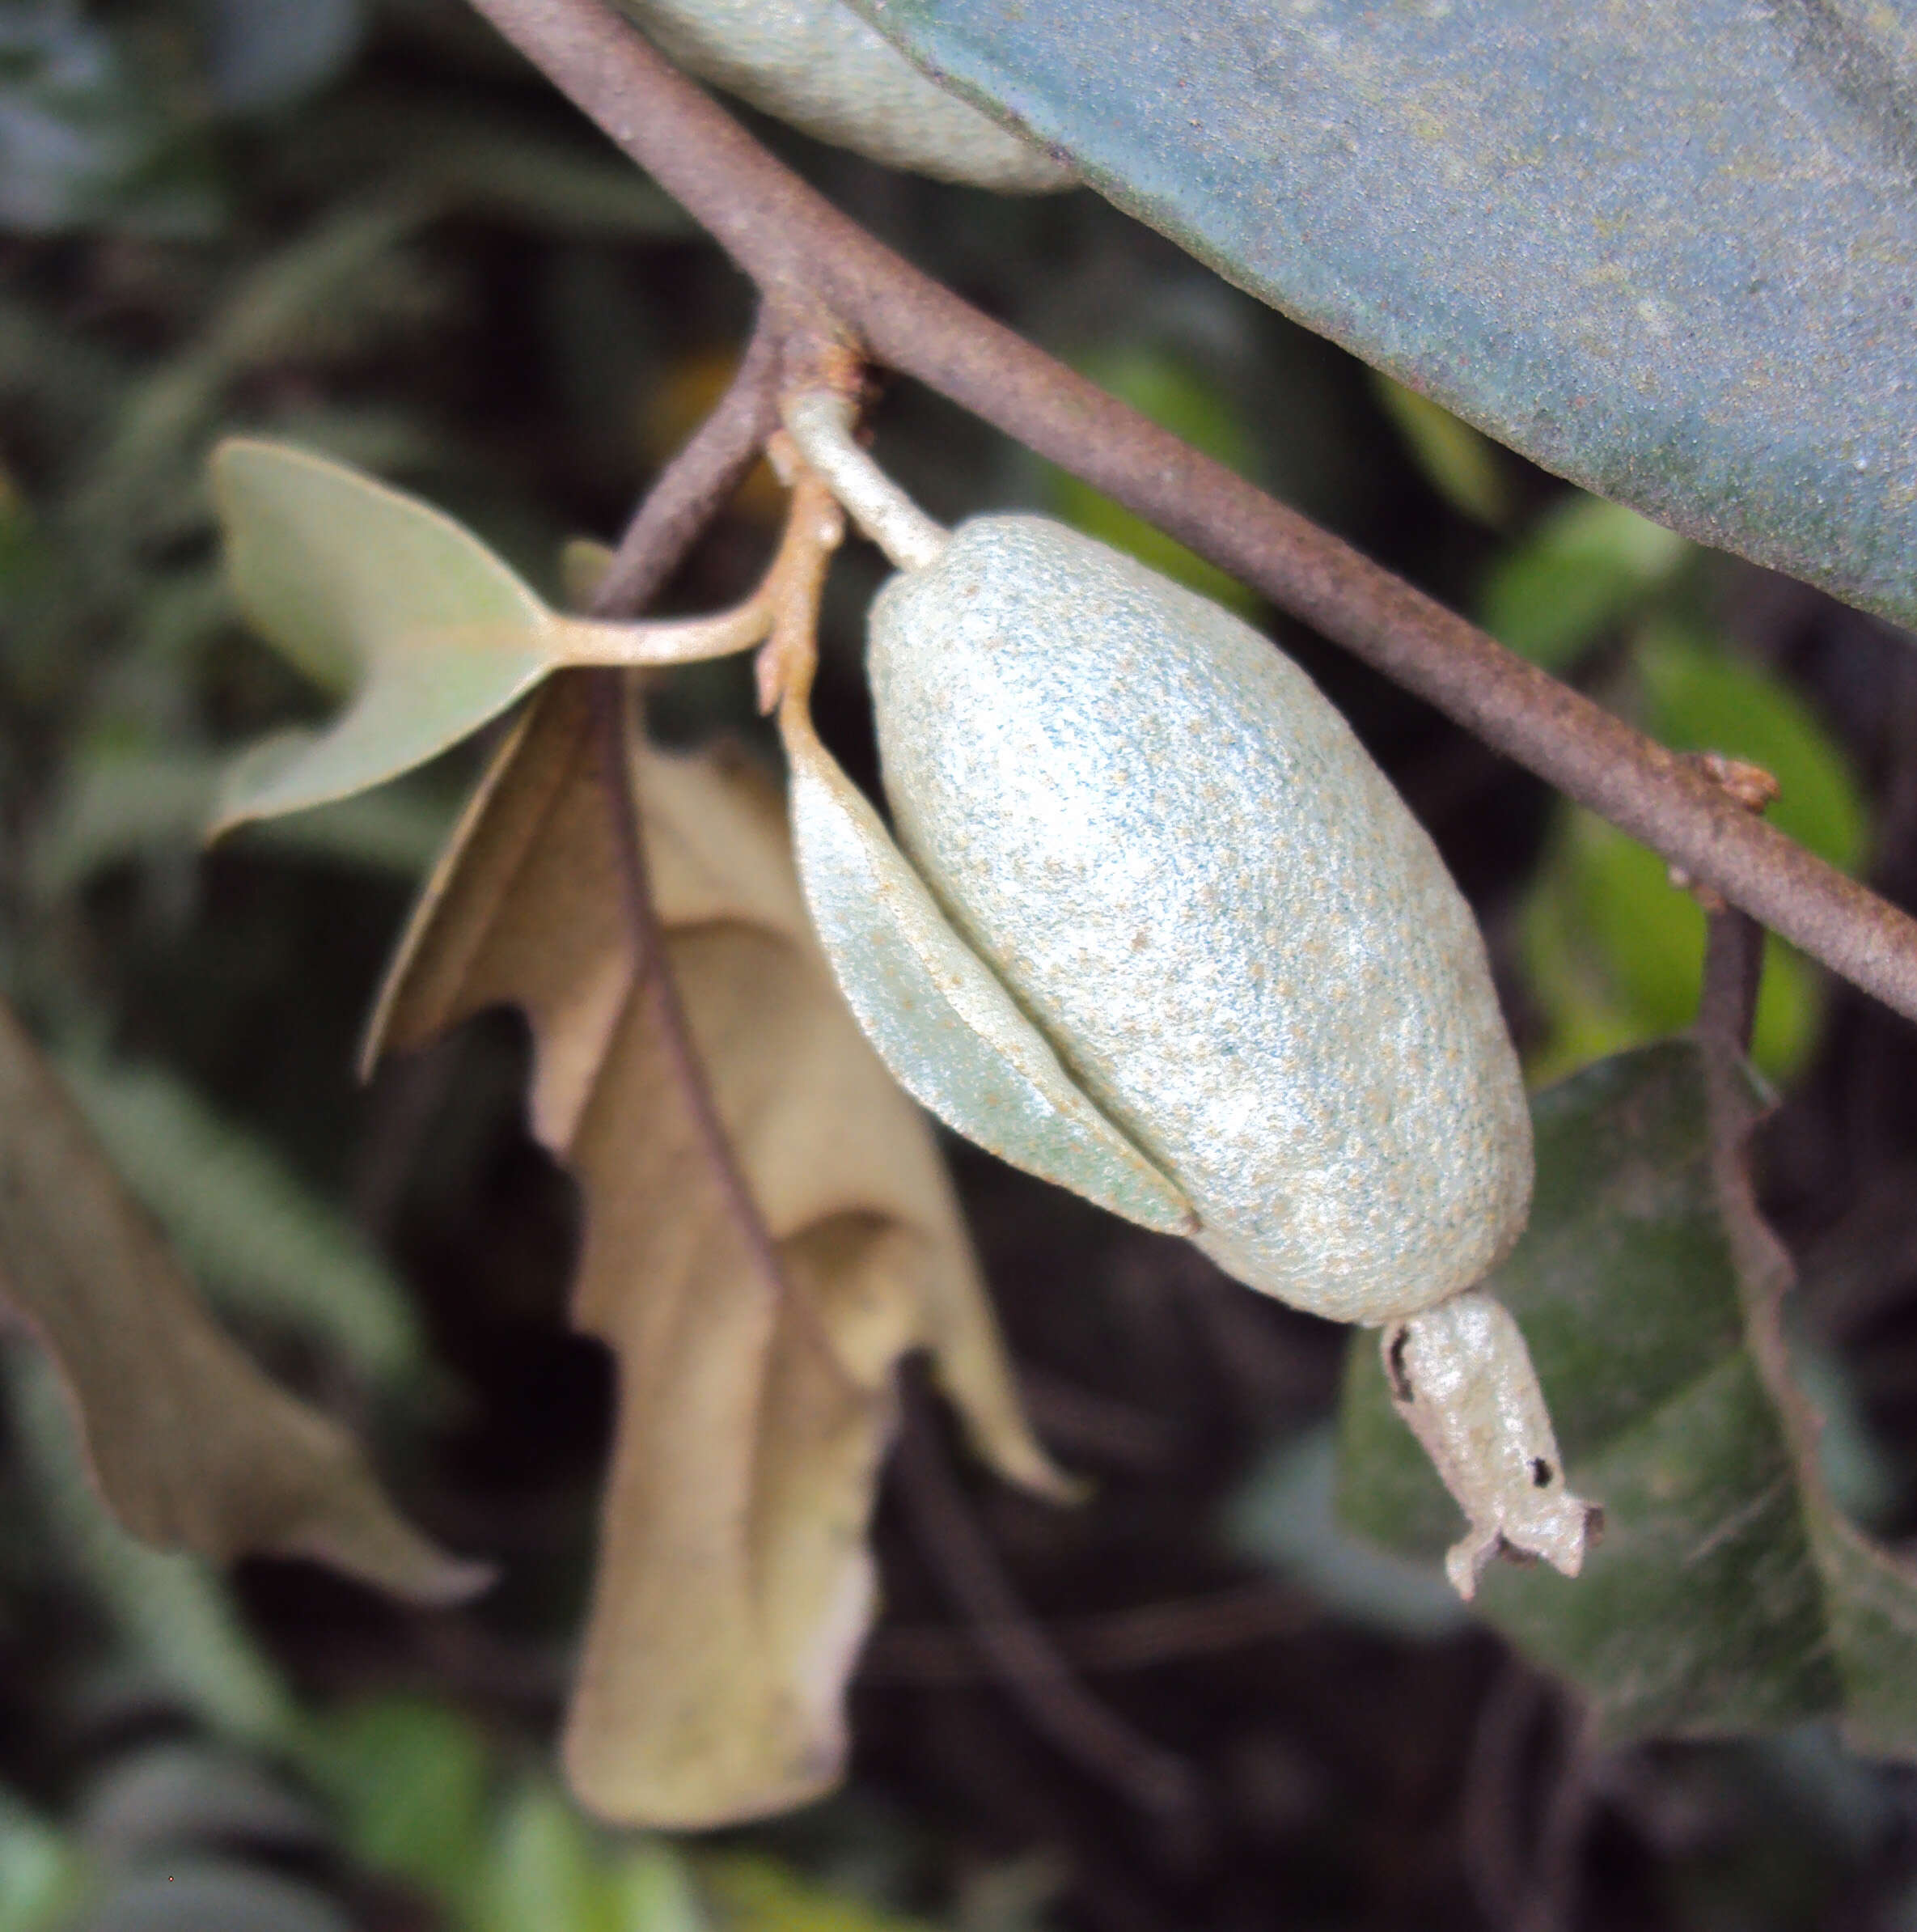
[1665, 250]
[1728, 1595]
[190, 1444]
[953, 1036]
[768, 1228]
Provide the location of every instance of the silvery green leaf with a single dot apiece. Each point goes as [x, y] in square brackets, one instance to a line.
[1664, 250]
[414, 707]
[949, 1033]
[372, 592]
[369, 591]
[335, 568]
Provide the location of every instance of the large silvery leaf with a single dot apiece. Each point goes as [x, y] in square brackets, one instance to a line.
[1668, 251]
[1730, 1594]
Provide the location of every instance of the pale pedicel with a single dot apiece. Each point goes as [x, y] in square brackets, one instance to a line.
[1159, 931]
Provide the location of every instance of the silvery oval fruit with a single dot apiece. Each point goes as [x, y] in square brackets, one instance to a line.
[1177, 857]
[1156, 928]
[818, 64]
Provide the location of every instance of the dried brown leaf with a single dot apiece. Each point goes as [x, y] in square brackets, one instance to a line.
[768, 1228]
[189, 1444]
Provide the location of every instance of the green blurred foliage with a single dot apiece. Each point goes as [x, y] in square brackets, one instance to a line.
[545, 1866]
[1465, 467]
[757, 1894]
[422, 1793]
[1283, 1515]
[1728, 1593]
[1580, 572]
[97, 125]
[1166, 383]
[228, 239]
[262, 54]
[409, 1782]
[40, 1869]
[1612, 950]
[267, 1246]
[173, 1615]
[1696, 695]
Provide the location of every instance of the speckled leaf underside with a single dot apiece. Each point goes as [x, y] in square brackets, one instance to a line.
[1730, 1594]
[1666, 247]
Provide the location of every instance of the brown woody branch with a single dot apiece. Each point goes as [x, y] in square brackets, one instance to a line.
[696, 485]
[1734, 942]
[820, 269]
[692, 488]
[612, 695]
[1140, 1639]
[1018, 1653]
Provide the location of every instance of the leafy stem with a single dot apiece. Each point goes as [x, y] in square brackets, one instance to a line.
[822, 271]
[1021, 1655]
[1734, 942]
[784, 610]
